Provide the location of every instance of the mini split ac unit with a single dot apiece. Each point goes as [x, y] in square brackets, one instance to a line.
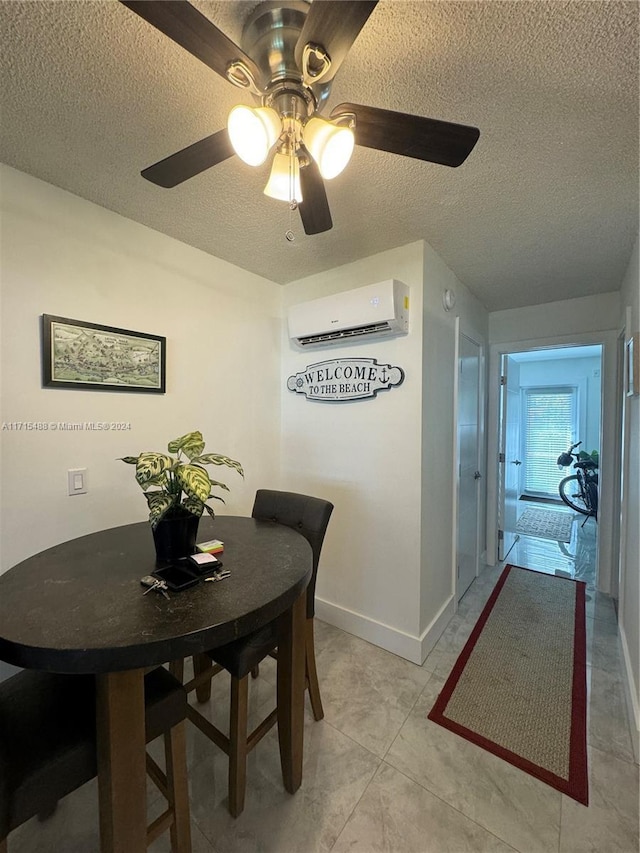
[377, 310]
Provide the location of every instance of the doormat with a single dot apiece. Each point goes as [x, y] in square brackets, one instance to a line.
[519, 687]
[546, 524]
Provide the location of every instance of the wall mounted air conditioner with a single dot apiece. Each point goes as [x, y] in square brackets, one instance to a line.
[377, 310]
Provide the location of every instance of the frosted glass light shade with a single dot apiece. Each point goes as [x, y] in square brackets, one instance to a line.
[330, 146]
[284, 180]
[253, 131]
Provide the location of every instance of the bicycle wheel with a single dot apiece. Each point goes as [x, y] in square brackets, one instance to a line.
[571, 494]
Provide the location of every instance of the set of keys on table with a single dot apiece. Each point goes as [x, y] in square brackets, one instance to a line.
[159, 586]
[219, 575]
[163, 586]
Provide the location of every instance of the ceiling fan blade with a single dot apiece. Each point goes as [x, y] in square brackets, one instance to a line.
[314, 207]
[411, 136]
[190, 161]
[189, 28]
[334, 25]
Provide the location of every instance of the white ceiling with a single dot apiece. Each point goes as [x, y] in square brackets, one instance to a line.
[545, 208]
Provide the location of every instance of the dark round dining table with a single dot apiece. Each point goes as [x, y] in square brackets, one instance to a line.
[79, 607]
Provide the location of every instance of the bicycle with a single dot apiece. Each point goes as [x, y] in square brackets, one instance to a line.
[580, 490]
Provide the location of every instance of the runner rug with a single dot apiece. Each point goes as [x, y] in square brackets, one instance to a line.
[519, 687]
[546, 523]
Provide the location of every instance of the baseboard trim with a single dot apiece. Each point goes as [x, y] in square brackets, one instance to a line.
[434, 629]
[407, 646]
[631, 691]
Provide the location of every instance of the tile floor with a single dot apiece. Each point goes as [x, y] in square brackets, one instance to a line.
[576, 559]
[379, 776]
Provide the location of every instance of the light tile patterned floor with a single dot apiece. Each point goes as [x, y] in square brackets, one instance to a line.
[381, 778]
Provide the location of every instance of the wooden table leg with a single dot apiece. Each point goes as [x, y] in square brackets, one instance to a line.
[291, 692]
[120, 720]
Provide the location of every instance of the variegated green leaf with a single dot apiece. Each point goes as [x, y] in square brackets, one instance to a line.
[178, 443]
[210, 510]
[161, 480]
[194, 480]
[219, 485]
[194, 449]
[150, 465]
[218, 459]
[130, 460]
[159, 504]
[194, 505]
[215, 498]
[191, 444]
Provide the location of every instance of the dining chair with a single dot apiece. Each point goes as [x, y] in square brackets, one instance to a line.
[310, 516]
[48, 747]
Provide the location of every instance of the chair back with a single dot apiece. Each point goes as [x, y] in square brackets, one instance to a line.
[308, 515]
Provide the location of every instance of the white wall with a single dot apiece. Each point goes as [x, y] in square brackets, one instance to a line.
[556, 319]
[386, 570]
[439, 440]
[63, 255]
[629, 615]
[364, 457]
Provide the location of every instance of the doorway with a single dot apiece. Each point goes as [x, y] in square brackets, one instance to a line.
[595, 393]
[551, 401]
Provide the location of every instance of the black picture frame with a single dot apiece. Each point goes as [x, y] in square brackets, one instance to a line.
[84, 355]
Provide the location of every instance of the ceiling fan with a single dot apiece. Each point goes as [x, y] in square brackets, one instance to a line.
[289, 56]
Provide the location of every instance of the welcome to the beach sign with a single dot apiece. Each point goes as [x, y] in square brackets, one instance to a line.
[342, 379]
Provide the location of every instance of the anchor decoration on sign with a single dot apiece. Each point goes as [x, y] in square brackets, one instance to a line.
[344, 379]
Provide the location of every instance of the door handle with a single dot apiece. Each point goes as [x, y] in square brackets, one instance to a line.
[516, 462]
[477, 475]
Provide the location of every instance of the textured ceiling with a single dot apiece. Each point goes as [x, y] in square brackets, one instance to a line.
[545, 208]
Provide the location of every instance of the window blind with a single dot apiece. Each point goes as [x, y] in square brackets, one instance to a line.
[550, 423]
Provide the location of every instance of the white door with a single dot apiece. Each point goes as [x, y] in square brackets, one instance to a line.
[468, 458]
[509, 455]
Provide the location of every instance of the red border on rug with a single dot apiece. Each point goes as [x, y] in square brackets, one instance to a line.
[577, 785]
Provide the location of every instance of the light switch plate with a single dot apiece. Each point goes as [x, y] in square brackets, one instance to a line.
[77, 481]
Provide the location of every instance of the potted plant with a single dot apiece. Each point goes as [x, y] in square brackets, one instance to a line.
[177, 488]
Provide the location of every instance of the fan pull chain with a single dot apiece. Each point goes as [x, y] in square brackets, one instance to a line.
[289, 235]
[293, 203]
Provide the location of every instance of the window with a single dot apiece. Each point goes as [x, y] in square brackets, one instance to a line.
[550, 424]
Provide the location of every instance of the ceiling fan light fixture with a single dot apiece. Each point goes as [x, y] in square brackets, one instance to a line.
[252, 131]
[330, 145]
[284, 180]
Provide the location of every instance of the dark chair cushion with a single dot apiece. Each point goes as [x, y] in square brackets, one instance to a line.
[309, 515]
[47, 742]
[47, 736]
[240, 656]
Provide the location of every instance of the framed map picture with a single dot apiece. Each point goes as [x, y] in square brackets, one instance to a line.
[76, 354]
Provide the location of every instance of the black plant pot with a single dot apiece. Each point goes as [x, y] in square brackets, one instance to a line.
[175, 537]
